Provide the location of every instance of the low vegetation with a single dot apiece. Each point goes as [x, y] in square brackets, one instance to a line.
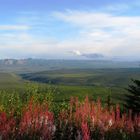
[40, 111]
[34, 115]
[78, 120]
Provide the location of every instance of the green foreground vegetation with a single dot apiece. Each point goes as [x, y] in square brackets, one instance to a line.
[10, 82]
[67, 83]
[27, 98]
[102, 83]
[92, 82]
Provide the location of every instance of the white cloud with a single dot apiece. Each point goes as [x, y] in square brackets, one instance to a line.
[14, 27]
[25, 44]
[76, 52]
[98, 20]
[103, 32]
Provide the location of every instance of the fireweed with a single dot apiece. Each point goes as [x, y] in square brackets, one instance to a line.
[92, 121]
[37, 122]
[7, 126]
[85, 120]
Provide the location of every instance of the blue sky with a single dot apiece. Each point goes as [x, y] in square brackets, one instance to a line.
[68, 29]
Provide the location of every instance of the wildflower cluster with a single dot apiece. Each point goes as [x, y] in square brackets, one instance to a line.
[89, 120]
[85, 120]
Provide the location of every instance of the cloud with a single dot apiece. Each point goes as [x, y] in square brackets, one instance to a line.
[104, 32]
[88, 55]
[14, 27]
[83, 33]
[76, 52]
[99, 20]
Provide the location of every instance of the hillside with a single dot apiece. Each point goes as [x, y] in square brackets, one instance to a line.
[11, 81]
[88, 77]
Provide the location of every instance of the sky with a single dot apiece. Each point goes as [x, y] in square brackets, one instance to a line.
[70, 29]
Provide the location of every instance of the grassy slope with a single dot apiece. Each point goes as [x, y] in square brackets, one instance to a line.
[94, 83]
[65, 92]
[10, 81]
[98, 77]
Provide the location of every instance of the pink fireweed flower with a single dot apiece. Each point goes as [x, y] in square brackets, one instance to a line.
[7, 125]
[37, 118]
[85, 131]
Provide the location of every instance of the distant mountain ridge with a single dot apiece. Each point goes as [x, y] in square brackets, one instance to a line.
[35, 65]
[14, 61]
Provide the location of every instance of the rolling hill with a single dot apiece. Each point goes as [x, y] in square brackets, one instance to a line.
[86, 77]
